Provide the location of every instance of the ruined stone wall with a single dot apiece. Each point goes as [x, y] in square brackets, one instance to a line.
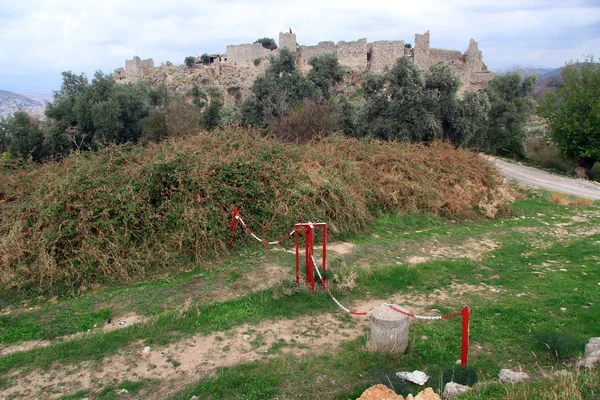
[238, 68]
[288, 41]
[135, 69]
[384, 53]
[353, 55]
[421, 51]
[306, 52]
[243, 54]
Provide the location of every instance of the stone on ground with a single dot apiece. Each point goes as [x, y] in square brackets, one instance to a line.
[506, 375]
[591, 358]
[389, 330]
[380, 392]
[453, 389]
[427, 394]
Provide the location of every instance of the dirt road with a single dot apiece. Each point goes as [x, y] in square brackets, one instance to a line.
[541, 179]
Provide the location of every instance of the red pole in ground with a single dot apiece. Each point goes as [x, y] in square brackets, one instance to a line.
[297, 256]
[324, 254]
[310, 268]
[464, 357]
[236, 213]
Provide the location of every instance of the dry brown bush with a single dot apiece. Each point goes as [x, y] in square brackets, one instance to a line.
[127, 213]
[566, 200]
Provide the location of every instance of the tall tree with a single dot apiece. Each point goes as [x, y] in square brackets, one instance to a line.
[511, 105]
[573, 113]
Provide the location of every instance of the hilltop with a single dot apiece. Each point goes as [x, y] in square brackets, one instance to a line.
[31, 102]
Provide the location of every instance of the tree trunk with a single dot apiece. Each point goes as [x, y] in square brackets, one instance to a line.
[587, 163]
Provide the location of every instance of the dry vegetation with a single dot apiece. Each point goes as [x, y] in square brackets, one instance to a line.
[128, 212]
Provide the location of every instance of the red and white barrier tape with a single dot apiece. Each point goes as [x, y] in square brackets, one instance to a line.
[265, 242]
[393, 307]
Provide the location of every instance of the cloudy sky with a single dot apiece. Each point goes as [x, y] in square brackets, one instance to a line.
[41, 38]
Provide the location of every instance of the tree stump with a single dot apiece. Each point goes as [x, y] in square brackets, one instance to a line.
[389, 330]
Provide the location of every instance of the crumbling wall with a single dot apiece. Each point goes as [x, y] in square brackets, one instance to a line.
[421, 51]
[353, 54]
[306, 52]
[288, 41]
[384, 53]
[243, 54]
[135, 69]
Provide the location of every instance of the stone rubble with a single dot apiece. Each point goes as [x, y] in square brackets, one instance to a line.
[507, 375]
[453, 389]
[591, 358]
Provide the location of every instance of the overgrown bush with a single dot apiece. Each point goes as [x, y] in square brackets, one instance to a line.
[190, 61]
[267, 43]
[309, 121]
[404, 104]
[126, 213]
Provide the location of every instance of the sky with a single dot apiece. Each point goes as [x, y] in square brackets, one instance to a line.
[41, 38]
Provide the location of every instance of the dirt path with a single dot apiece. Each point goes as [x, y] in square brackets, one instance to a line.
[541, 179]
[200, 356]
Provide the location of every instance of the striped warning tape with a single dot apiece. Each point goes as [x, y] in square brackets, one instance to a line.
[393, 307]
[263, 241]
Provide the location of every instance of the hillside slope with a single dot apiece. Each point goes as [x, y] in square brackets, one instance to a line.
[31, 103]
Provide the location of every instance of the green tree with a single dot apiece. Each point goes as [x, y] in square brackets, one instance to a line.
[4, 140]
[511, 104]
[398, 107]
[211, 115]
[573, 113]
[267, 43]
[205, 59]
[190, 61]
[326, 71]
[88, 115]
[25, 138]
[281, 88]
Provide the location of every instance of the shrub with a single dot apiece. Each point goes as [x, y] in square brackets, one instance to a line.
[511, 104]
[190, 61]
[573, 113]
[309, 121]
[127, 213]
[257, 62]
[205, 59]
[267, 43]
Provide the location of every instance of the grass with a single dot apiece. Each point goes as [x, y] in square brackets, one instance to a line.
[545, 268]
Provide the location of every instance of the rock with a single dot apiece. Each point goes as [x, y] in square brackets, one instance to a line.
[146, 350]
[592, 346]
[591, 358]
[427, 394]
[389, 330]
[418, 377]
[122, 391]
[506, 375]
[380, 392]
[194, 398]
[247, 337]
[453, 389]
[581, 173]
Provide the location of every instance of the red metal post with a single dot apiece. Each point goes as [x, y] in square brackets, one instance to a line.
[464, 357]
[324, 254]
[310, 246]
[236, 213]
[297, 256]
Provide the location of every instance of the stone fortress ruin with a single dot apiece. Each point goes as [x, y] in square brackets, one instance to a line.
[241, 64]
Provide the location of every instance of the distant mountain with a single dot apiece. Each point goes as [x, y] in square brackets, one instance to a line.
[32, 103]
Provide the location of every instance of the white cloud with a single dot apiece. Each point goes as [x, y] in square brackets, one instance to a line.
[38, 37]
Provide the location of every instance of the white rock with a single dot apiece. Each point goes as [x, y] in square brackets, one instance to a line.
[146, 350]
[122, 391]
[506, 375]
[453, 389]
[194, 398]
[418, 377]
[247, 337]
